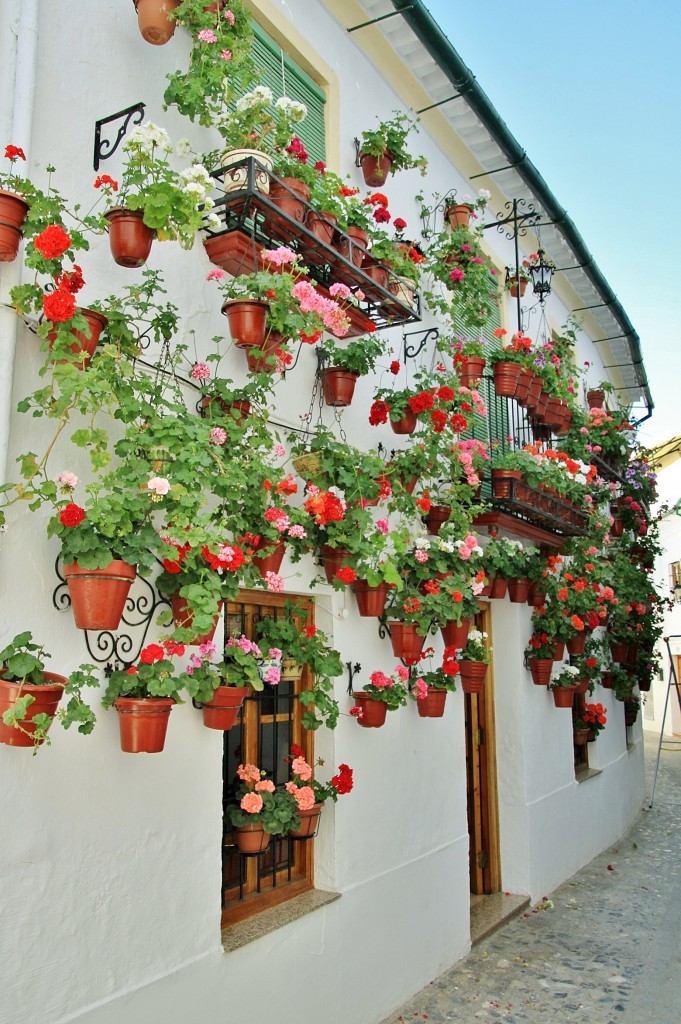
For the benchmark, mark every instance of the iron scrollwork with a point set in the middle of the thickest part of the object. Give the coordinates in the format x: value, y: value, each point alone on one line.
x: 105, y: 148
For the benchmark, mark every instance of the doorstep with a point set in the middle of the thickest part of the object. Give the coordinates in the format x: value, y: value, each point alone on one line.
x: 489, y: 912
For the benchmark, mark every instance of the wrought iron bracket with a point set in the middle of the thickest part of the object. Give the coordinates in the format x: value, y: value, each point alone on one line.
x: 383, y: 628
x: 412, y: 351
x: 105, y: 148
x: 353, y: 670
x: 116, y: 649
x: 357, y: 144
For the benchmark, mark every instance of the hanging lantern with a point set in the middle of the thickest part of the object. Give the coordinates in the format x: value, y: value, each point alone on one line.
x: 541, y: 271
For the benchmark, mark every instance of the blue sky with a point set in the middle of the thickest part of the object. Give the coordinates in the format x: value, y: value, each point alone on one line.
x: 591, y: 89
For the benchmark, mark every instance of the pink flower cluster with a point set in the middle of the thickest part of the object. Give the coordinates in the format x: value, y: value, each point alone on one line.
x: 248, y: 647
x: 467, y: 546
x: 329, y: 312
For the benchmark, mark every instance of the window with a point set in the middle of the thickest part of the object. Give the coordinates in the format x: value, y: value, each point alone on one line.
x: 286, y: 78
x: 269, y: 722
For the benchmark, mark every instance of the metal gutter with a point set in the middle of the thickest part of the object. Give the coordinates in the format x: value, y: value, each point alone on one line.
x: 429, y: 33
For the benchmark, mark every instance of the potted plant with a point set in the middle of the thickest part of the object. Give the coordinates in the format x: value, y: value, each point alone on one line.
x: 563, y: 684
x: 539, y: 657
x: 343, y: 365
x: 465, y: 284
x: 327, y: 206
x: 30, y: 695
x: 220, y: 687
x: 310, y: 794
x: 262, y: 810
x: 155, y: 20
x: 383, y: 150
x: 144, y: 695
x: 354, y: 220
x: 458, y: 212
x: 430, y: 689
x: 297, y: 177
x: 16, y: 193
x: 473, y: 661
x: 470, y: 358
x: 595, y: 716
x: 409, y: 623
x: 384, y: 693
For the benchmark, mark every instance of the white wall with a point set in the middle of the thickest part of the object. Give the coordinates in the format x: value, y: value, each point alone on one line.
x: 110, y: 864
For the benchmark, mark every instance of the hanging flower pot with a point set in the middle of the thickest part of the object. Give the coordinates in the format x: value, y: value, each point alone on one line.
x: 563, y: 696
x: 518, y: 590
x: 436, y: 516
x: 98, y: 596
x: 581, y: 687
x: 607, y: 680
x: 580, y: 737
x: 154, y: 24
x: 84, y: 346
x: 518, y: 287
x: 252, y: 839
x: 353, y: 247
x: 575, y: 645
x: 370, y: 600
x: 291, y: 670
x: 433, y: 704
x: 458, y: 215
x: 129, y: 237
x: 46, y: 697
x: 183, y: 618
x: 377, y: 271
x: 630, y: 717
x: 522, y: 388
x: 322, y: 225
x: 455, y: 634
x: 332, y: 560
x: 501, y: 488
x: 375, y: 168
x: 617, y: 527
x: 595, y: 398
x: 247, y: 319
x: 473, y: 675
x: 469, y: 370
x: 143, y: 723
x: 13, y: 210
x: 237, y: 164
x: 338, y: 386
x: 267, y: 361
x: 498, y: 588
x: 536, y: 595
x: 407, y: 644
x: 221, y: 711
x: 540, y: 669
x: 405, y: 424
x: 290, y: 196
x: 270, y: 562
x: 558, y: 650
x: 506, y: 378
x: 309, y: 823
x: 373, y: 711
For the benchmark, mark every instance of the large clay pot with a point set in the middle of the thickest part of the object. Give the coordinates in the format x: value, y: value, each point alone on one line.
x: 267, y: 361
x: 540, y: 669
x: 407, y: 644
x: 154, y: 24
x: 338, y: 386
x: 370, y: 600
x: 183, y: 617
x: 405, y: 424
x: 84, y: 346
x: 290, y: 196
x: 236, y: 164
x: 143, y: 723
x: 501, y: 488
x: 309, y: 822
x: 575, y: 645
x: 270, y: 562
x: 322, y: 225
x: 129, y: 237
x: 221, y: 711
x: 473, y: 675
x: 506, y: 378
x: 375, y: 168
x: 470, y: 370
x: 455, y: 634
x: 46, y: 699
x: 436, y: 516
x: 13, y: 210
x: 518, y: 590
x: 563, y: 696
x: 433, y: 704
x: 459, y: 215
x: 332, y: 560
x: 247, y: 319
x: 354, y: 247
x: 98, y: 596
x: 373, y: 711
x: 252, y: 839
x: 498, y: 588
x: 580, y: 737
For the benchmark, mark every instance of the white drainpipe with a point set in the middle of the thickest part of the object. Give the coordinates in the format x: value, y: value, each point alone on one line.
x: 19, y: 47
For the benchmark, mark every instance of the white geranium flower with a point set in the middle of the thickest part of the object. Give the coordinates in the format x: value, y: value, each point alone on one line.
x: 262, y: 94
x: 183, y: 148
x: 213, y: 222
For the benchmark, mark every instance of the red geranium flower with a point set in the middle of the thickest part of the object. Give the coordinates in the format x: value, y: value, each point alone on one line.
x: 70, y: 281
x: 395, y: 367
x: 346, y: 574
x: 378, y: 413
x: 59, y: 306
x: 342, y: 782
x: 14, y: 153
x: 71, y: 515
x: 52, y: 242
x: 152, y: 653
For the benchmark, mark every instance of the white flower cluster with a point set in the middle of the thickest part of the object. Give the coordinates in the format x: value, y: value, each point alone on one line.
x: 146, y: 138
x: 563, y: 670
x: 260, y: 97
x: 291, y: 109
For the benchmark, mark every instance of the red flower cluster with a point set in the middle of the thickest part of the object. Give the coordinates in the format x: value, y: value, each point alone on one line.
x: 450, y: 665
x: 325, y: 507
x: 70, y: 281
x: 59, y: 306
x: 342, y: 782
x: 173, y: 565
x: 594, y: 714
x: 230, y: 557
x: 421, y: 402
x: 395, y: 367
x: 346, y: 574
x: 439, y: 420
x: 173, y: 649
x: 297, y: 150
x: 105, y: 179
x: 14, y: 153
x: 378, y: 413
x: 458, y: 422
x: 71, y: 515
x: 152, y: 653
x: 52, y: 242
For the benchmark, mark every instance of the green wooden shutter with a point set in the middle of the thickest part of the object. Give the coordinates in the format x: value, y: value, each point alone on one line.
x: 495, y: 425
x: 285, y: 78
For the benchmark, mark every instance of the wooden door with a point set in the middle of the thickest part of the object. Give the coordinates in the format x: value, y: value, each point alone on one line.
x: 483, y: 827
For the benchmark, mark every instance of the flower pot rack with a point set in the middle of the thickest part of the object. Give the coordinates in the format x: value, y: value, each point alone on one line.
x: 117, y: 649
x: 104, y: 148
x: 252, y: 221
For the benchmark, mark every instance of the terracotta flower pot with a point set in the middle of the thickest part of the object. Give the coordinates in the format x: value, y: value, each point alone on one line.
x: 370, y: 600
x: 183, y: 617
x: 580, y: 737
x: 376, y: 270
x: 506, y: 378
x: 221, y: 711
x: 143, y: 723
x: 498, y: 588
x: 459, y: 215
x: 267, y: 361
x: 518, y: 286
x: 354, y: 247
x: 536, y: 595
x: 407, y: 644
x: 518, y: 590
x: 129, y: 237
x: 455, y: 634
x: 522, y: 390
x: 540, y: 669
x: 563, y: 696
x: 630, y: 718
x: 607, y: 680
x: 575, y: 645
x: 290, y: 196
x: 332, y: 560
x: 473, y: 675
x: 436, y: 516
x: 247, y: 319
x: 432, y: 705
x: 595, y: 399
x: 501, y: 488
x: 375, y: 168
x: 338, y: 386
x: 46, y: 700
x: 252, y: 839
x: 322, y: 225
x: 373, y: 711
x: 84, y: 345
x: 154, y: 24
x: 270, y: 562
x: 309, y: 822
x: 13, y: 212
x: 558, y: 650
x: 405, y: 424
x: 470, y: 370
x: 582, y: 686
x: 98, y: 596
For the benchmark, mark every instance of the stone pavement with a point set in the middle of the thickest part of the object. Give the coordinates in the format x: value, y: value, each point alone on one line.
x: 607, y: 952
